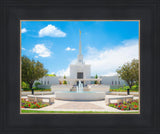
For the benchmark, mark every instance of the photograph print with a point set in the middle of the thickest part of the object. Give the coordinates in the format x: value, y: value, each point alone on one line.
x: 80, y: 66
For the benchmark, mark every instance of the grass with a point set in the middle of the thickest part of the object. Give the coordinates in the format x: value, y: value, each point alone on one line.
x: 122, y: 90
x: 90, y: 112
x: 35, y: 89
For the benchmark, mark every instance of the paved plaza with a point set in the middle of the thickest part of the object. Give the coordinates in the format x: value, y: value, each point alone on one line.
x: 61, y: 105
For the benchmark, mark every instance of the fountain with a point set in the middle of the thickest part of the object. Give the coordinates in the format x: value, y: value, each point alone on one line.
x: 79, y: 87
x: 79, y: 94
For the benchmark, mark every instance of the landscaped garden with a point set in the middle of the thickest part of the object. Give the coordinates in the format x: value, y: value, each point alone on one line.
x: 25, y: 87
x: 32, y: 105
x: 124, y: 89
x: 130, y: 105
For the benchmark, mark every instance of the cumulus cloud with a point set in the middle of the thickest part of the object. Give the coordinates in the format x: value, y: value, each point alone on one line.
x: 105, y: 62
x: 51, y: 31
x: 23, y: 30
x: 63, y: 72
x: 23, y: 48
x: 41, y: 50
x: 70, y: 49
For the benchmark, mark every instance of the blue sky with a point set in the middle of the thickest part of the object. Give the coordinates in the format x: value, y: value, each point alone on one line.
x: 55, y: 44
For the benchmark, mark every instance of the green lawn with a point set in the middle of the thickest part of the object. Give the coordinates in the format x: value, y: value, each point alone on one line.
x: 122, y: 90
x: 35, y: 111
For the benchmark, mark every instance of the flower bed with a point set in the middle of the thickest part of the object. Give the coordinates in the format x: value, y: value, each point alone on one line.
x: 130, y: 105
x: 32, y: 105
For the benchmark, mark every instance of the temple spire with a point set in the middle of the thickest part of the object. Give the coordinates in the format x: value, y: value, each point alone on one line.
x: 80, y: 56
x: 79, y: 42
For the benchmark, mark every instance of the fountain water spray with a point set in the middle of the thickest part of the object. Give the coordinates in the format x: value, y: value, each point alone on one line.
x: 80, y: 87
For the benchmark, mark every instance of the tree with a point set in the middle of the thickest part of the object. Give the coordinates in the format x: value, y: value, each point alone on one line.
x: 129, y: 72
x: 96, y: 77
x: 64, y: 82
x: 51, y: 75
x: 37, y: 84
x: 24, y: 85
x: 32, y: 70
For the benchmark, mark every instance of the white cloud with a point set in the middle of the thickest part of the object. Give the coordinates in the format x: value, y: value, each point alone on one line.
x: 70, y: 49
x: 23, y: 49
x: 23, y: 30
x: 41, y: 50
x: 51, y: 31
x: 36, y: 56
x: 105, y: 62
x: 63, y: 72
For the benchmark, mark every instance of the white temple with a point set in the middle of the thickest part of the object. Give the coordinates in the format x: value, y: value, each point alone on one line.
x: 80, y: 70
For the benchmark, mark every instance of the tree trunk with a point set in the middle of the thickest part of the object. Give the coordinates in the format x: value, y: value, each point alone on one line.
x: 30, y: 85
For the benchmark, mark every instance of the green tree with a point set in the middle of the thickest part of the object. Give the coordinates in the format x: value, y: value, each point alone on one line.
x: 36, y: 84
x: 32, y: 70
x: 24, y: 85
x: 96, y: 77
x: 129, y: 72
x: 51, y: 75
x: 64, y: 82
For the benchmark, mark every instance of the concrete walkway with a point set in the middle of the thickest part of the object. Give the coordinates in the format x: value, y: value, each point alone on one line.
x: 79, y: 106
x: 60, y: 105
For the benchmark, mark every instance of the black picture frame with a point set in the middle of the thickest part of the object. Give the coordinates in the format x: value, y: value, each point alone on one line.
x: 12, y: 11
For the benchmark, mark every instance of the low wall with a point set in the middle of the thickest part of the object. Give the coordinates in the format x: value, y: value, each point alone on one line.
x: 36, y: 93
x: 80, y: 96
x: 123, y: 93
x: 55, y: 88
x: 99, y: 88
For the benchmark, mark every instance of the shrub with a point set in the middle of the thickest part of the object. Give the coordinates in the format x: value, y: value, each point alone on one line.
x: 64, y: 82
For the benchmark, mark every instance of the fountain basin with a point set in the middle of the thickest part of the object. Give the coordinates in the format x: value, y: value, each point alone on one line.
x: 82, y: 96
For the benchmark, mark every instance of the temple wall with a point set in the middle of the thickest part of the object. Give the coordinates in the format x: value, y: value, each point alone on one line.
x: 80, y: 68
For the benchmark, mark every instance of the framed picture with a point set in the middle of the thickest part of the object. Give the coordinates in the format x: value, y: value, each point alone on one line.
x: 79, y: 67
x: 105, y: 79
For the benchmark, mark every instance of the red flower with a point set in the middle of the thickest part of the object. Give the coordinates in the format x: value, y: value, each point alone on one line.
x: 125, y: 106
x: 119, y: 106
x: 29, y: 105
x: 135, y: 106
x: 122, y: 109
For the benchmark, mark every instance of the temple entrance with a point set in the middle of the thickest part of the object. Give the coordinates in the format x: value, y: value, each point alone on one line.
x: 79, y: 75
